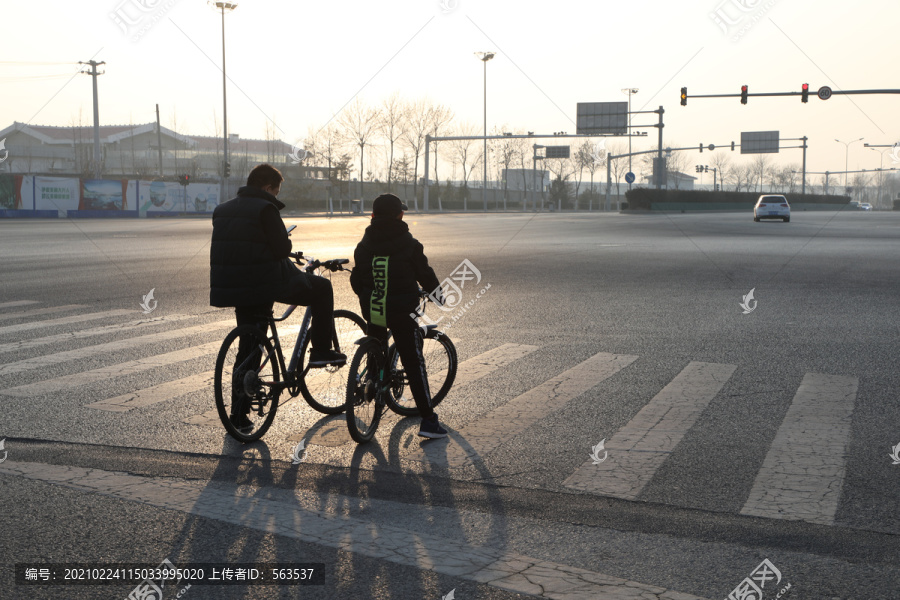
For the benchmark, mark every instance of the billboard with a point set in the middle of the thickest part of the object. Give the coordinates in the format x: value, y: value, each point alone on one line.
x: 759, y: 142
x: 168, y: 196
x: 602, y: 117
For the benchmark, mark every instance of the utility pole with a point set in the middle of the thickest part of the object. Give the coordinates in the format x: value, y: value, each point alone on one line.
x: 159, y: 141
x: 93, y: 73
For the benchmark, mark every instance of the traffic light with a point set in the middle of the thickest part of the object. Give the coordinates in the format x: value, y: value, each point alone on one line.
x: 804, y: 95
x: 732, y: 146
x: 227, y: 169
x: 743, y: 94
x: 684, y: 96
x: 185, y: 180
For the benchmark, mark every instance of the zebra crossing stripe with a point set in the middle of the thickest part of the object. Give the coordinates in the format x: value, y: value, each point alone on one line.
x: 804, y: 470
x: 40, y: 311
x: 38, y: 362
x: 157, y: 393
x: 83, y: 333
x: 17, y: 303
x: 486, y: 363
x: 501, y: 424
x: 58, y: 384
x: 637, y: 450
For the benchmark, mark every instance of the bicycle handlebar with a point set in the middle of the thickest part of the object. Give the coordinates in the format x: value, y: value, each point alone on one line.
x: 333, y: 265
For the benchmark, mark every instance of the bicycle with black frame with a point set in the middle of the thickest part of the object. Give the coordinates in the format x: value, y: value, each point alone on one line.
x: 251, y: 372
x: 377, y: 379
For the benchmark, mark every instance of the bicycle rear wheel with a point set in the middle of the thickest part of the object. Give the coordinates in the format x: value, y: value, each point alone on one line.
x: 325, y: 389
x: 440, y: 367
x: 363, y: 408
x: 247, y: 383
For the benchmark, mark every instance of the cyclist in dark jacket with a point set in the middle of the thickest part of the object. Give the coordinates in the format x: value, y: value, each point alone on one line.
x: 250, y: 268
x: 390, y: 265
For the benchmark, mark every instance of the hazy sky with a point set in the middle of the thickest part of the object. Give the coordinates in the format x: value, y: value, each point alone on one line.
x: 299, y: 62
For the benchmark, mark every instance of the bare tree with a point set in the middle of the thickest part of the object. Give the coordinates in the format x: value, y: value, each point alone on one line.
x: 759, y: 167
x: 359, y: 124
x: 440, y: 116
x: 721, y: 162
x: 391, y: 124
x: 418, y: 124
x: 466, y: 152
x: 505, y: 154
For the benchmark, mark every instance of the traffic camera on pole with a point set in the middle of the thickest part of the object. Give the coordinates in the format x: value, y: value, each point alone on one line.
x: 804, y: 94
x: 684, y: 96
x: 744, y: 94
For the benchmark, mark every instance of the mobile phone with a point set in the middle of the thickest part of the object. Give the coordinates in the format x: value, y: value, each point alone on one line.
x: 290, y: 229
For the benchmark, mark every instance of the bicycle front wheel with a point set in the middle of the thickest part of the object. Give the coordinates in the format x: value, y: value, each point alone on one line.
x: 440, y: 368
x: 325, y: 389
x: 247, y: 383
x: 363, y: 408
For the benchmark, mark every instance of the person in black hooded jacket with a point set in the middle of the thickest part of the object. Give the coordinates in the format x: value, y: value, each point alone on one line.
x: 390, y: 265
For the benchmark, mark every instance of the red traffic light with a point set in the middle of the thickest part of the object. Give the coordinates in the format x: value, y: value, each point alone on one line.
x: 744, y: 90
x: 804, y: 94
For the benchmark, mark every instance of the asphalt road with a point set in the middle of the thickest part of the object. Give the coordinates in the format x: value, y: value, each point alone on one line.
x: 762, y: 435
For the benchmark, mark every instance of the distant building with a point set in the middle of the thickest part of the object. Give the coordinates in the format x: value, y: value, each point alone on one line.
x: 675, y: 180
x: 525, y: 179
x: 133, y: 150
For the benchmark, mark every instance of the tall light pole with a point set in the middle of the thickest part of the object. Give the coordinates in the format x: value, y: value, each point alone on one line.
x: 223, y: 6
x: 484, y: 57
x: 630, y: 92
x: 880, y: 171
x: 846, y: 158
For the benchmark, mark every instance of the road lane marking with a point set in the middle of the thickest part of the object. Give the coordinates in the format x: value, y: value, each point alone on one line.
x: 487, y: 433
x: 156, y: 393
x: 324, y: 519
x: 638, y: 449
x: 83, y: 333
x: 58, y: 384
x: 38, y: 362
x: 803, y: 472
x: 15, y: 303
x: 486, y: 363
x: 40, y: 311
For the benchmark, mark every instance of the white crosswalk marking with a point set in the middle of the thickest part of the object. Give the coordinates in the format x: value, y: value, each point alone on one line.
x: 488, y: 432
x: 127, y: 368
x: 40, y: 311
x: 803, y: 472
x: 156, y: 393
x: 486, y: 363
x: 83, y: 333
x: 17, y: 303
x: 637, y: 450
x: 127, y: 344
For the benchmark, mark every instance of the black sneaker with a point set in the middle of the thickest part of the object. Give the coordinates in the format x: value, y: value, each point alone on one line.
x: 242, y: 423
x: 323, y: 358
x: 432, y: 429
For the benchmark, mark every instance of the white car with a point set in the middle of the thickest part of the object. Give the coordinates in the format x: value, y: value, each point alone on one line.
x: 865, y: 206
x: 772, y: 207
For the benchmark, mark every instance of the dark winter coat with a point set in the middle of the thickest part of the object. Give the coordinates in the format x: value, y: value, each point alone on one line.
x: 390, y: 265
x: 248, y: 256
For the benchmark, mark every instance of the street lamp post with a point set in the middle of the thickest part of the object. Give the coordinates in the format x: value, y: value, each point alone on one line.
x: 846, y: 158
x: 223, y: 6
x: 880, y: 172
x: 630, y: 92
x: 484, y: 57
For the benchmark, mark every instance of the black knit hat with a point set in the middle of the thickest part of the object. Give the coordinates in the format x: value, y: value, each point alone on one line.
x: 387, y: 205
